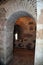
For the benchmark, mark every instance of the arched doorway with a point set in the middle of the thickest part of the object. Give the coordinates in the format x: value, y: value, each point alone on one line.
x: 24, y: 39
x: 25, y: 33
x: 22, y: 28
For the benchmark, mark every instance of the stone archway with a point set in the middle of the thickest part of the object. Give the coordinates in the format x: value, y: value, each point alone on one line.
x: 9, y: 33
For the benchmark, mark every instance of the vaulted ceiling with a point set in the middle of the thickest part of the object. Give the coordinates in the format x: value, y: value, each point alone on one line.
x: 28, y: 24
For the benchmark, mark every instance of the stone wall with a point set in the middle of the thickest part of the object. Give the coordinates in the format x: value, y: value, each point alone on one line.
x: 11, y: 7
x: 2, y: 34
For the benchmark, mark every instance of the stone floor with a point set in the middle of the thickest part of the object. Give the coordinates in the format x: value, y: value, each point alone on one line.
x: 23, y: 57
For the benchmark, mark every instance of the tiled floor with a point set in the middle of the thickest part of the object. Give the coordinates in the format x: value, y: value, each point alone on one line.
x: 23, y: 57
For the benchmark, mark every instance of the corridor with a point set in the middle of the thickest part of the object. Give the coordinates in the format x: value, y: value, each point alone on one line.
x: 23, y: 57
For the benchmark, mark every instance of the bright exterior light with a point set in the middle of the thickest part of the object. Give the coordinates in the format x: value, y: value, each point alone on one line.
x: 16, y: 36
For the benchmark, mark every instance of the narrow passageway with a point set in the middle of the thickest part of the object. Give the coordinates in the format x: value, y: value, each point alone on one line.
x: 24, y: 36
x: 23, y: 57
